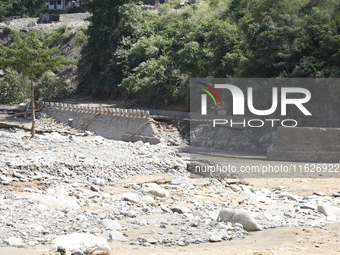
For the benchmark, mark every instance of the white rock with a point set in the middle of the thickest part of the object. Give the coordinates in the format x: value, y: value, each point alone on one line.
x: 329, y: 210
x: 36, y: 227
x: 117, y: 236
x: 244, y: 217
x: 87, y: 243
x: 213, y: 215
x: 15, y: 241
x: 180, y: 163
x: 131, y: 197
x: 69, y: 202
x: 215, y: 238
x: 132, y: 214
x: 235, y: 187
x: 41, y: 207
x: 149, y: 200
x: 158, y: 192
x: 246, y: 190
x: 110, y: 224
x: 49, y: 201
x: 319, y: 193
x: 289, y: 196
x: 143, y: 222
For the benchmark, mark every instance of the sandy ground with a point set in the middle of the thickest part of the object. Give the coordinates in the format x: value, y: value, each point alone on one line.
x: 290, y: 240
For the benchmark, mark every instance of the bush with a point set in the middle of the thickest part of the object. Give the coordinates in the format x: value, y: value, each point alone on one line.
x: 163, y: 9
x: 214, y: 3
x: 62, y: 28
x: 49, y: 87
x: 175, y: 3
x: 80, y: 39
x: 14, y: 88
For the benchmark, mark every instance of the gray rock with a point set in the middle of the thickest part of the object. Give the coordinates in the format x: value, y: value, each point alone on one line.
x: 117, y: 236
x: 152, y: 240
x: 135, y: 186
x: 110, y: 224
x: 180, y: 209
x: 244, y: 217
x: 336, y: 194
x: 78, y: 253
x: 289, y: 196
x: 176, y: 182
x: 31, y: 24
x: 98, y: 181
x: 235, y: 187
x: 131, y: 197
x: 319, y: 193
x: 95, y: 188
x: 237, y: 224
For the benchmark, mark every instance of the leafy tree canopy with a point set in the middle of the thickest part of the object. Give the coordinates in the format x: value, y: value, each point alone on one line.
x: 31, y: 56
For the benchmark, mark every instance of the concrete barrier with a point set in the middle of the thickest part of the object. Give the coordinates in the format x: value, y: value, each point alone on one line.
x: 307, y: 144
x: 112, y: 123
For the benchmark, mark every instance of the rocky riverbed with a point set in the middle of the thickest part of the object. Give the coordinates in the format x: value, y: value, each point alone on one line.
x: 68, y: 182
x: 73, y: 20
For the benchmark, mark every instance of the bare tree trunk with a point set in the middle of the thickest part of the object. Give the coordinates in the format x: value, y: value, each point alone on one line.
x: 32, y: 106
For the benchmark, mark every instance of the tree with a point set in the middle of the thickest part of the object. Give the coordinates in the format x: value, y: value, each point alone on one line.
x: 31, y: 56
x: 113, y: 23
x: 28, y: 7
x: 5, y: 6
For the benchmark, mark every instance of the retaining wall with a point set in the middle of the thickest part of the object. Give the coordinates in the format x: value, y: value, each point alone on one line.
x: 113, y: 123
x: 307, y: 144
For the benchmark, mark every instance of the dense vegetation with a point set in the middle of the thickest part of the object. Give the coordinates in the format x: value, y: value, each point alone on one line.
x: 130, y: 53
x: 138, y: 54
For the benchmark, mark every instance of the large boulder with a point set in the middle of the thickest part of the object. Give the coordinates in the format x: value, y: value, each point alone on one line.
x: 110, y: 224
x: 15, y: 242
x: 154, y: 189
x: 148, y: 200
x: 87, y: 243
x: 329, y: 210
x: 128, y: 196
x: 49, y: 201
x: 241, y: 216
x: 69, y: 202
x: 114, y: 235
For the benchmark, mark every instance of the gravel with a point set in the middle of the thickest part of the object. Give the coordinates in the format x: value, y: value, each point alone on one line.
x: 74, y: 20
x: 54, y: 185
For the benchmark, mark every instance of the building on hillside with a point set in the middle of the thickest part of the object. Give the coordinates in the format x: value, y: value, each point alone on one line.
x: 55, y: 4
x: 72, y: 4
x: 61, y: 4
x: 155, y: 2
